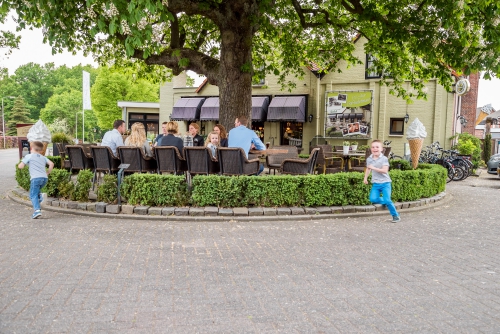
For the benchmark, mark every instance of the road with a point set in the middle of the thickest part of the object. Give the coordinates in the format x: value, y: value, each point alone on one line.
x: 438, y: 271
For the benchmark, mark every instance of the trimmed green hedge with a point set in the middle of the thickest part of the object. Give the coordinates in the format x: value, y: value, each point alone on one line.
x: 269, y: 191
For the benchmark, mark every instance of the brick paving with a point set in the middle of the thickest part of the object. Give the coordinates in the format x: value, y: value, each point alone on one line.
x: 437, y: 271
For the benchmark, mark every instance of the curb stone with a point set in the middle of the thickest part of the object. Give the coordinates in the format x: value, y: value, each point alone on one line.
x: 212, y: 213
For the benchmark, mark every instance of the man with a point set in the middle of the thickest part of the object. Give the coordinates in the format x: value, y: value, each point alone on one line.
x: 241, y: 136
x: 113, y: 138
x: 164, y: 133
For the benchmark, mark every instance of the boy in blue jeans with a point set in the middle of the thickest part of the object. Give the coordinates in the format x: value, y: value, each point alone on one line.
x: 38, y: 174
x: 378, y: 165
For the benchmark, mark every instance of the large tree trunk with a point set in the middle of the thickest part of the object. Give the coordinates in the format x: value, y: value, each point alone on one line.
x: 235, y: 70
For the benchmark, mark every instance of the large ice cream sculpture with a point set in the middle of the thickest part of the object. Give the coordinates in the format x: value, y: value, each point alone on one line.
x: 40, y: 132
x: 415, y: 135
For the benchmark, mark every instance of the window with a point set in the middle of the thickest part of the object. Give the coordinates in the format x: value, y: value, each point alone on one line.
x: 397, y: 126
x: 370, y: 71
x: 259, y: 77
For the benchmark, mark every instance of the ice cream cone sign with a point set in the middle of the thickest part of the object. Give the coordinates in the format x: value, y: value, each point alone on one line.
x: 40, y: 132
x: 415, y: 136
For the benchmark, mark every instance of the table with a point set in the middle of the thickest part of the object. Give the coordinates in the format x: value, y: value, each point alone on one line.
x: 269, y: 151
x: 346, y: 158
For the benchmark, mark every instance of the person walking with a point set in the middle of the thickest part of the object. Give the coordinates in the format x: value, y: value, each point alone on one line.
x: 38, y: 175
x: 378, y: 165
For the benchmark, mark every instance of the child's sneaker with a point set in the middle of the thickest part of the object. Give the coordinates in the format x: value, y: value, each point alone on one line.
x: 396, y: 219
x: 36, y: 214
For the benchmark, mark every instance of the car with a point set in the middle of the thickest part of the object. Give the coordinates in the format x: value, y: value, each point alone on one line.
x: 492, y: 164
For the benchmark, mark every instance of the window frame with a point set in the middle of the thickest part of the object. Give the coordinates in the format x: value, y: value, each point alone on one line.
x: 392, y: 122
x: 368, y: 64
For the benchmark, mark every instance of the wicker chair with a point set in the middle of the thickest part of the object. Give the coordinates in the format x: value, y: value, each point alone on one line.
x: 327, y: 162
x: 61, y: 147
x: 78, y: 159
x: 170, y: 160
x: 300, y: 166
x: 104, y: 160
x: 139, y: 162
x: 274, y: 161
x: 200, y: 161
x: 233, y: 161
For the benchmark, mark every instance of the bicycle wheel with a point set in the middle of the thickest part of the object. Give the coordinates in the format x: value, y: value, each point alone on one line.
x: 451, y: 172
x: 462, y: 164
x: 459, y: 174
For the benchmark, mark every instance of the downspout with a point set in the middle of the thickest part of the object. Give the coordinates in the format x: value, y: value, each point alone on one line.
x: 318, y: 102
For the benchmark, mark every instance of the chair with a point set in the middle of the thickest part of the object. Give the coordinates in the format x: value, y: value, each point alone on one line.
x: 300, y: 166
x: 360, y: 162
x: 386, y: 151
x: 200, y: 161
x: 61, y: 147
x: 327, y: 162
x: 170, y: 160
x: 273, y: 161
x: 339, y: 148
x: 233, y: 161
x: 78, y: 159
x: 137, y: 159
x: 104, y: 160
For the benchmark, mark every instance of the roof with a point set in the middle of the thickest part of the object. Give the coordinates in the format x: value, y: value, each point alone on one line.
x: 132, y: 104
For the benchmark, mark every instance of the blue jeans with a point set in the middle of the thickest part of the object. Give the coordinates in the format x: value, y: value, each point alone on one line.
x: 385, y: 190
x: 35, y: 186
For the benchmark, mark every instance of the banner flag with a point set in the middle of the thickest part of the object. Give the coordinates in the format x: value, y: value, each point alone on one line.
x: 86, y: 91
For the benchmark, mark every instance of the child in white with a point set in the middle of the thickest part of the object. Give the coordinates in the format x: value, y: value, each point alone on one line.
x: 38, y: 174
x: 378, y: 165
x: 213, y: 142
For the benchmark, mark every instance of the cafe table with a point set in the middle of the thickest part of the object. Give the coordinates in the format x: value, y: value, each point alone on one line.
x: 345, y: 157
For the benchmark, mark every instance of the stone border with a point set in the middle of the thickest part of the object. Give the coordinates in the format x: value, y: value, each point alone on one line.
x: 211, y: 213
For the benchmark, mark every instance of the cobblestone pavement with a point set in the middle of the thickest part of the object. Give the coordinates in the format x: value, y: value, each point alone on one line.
x: 435, y: 272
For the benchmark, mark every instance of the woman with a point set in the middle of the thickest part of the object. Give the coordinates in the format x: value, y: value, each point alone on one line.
x: 193, y: 131
x: 137, y: 138
x: 170, y: 139
x: 221, y: 131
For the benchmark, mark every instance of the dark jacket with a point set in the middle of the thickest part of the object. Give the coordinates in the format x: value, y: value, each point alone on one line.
x: 171, y: 140
x: 198, y: 141
x: 223, y: 142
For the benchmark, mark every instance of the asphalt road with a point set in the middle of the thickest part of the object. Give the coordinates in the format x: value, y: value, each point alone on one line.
x: 438, y: 271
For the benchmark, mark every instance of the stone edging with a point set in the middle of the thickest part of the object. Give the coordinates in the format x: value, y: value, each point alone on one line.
x: 101, y: 209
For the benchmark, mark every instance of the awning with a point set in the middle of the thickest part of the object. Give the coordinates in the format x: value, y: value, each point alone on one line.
x: 287, y: 108
x: 210, y: 109
x: 187, y: 109
x: 259, y: 108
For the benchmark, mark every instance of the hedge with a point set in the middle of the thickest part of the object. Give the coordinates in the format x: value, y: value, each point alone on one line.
x: 270, y: 191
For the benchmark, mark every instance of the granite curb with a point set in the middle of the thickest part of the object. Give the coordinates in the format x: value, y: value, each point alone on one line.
x: 210, y: 213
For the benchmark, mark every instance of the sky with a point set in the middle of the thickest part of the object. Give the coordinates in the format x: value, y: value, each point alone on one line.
x: 33, y: 50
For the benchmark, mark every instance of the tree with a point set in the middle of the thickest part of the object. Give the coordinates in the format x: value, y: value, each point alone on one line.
x: 227, y: 40
x: 8, y: 40
x: 112, y: 86
x: 18, y: 115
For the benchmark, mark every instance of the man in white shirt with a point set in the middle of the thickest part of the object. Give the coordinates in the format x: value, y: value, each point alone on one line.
x: 113, y: 138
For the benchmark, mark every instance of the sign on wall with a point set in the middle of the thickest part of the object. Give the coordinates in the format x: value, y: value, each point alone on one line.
x: 348, y: 114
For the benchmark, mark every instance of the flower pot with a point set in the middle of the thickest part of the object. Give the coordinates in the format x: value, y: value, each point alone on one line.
x: 345, y: 149
x: 354, y: 147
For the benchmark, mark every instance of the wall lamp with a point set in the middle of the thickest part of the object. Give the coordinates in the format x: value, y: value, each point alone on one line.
x: 462, y: 120
x: 310, y: 118
x: 407, y: 117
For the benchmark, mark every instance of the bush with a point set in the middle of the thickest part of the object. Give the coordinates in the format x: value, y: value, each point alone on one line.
x: 107, y: 190
x: 57, y: 177
x: 469, y: 145
x: 402, y: 164
x: 83, y: 185
x: 155, y: 190
x: 61, y: 137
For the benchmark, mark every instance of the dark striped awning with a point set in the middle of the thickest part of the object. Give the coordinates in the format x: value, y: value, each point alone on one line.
x: 187, y: 109
x: 259, y: 108
x: 210, y: 109
x: 287, y: 108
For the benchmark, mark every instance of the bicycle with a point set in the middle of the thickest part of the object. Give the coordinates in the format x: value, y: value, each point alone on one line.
x: 391, y: 156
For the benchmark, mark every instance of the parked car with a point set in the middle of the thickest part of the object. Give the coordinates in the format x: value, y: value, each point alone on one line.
x: 493, y: 163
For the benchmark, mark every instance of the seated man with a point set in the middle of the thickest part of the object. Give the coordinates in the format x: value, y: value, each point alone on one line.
x: 113, y: 138
x: 243, y: 137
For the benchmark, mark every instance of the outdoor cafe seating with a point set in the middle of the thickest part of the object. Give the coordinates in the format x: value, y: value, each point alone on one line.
x: 78, y: 158
x: 200, y: 161
x: 136, y: 159
x: 233, y: 161
x: 170, y: 160
x: 104, y: 160
x: 300, y: 166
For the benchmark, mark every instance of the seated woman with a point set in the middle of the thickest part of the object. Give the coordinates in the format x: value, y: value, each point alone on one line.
x: 213, y: 143
x: 193, y: 131
x: 170, y: 139
x: 221, y: 131
x: 137, y: 138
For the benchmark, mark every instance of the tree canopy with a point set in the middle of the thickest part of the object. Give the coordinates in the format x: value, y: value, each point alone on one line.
x: 228, y: 40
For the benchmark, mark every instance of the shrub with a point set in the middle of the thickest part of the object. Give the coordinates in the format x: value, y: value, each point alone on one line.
x: 61, y: 137
x: 83, y: 185
x: 155, y: 190
x: 469, y: 145
x: 107, y: 190
x: 57, y: 177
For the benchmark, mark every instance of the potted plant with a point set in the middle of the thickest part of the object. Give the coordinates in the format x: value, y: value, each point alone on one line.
x: 354, y: 145
x: 346, y: 145
x: 62, y: 138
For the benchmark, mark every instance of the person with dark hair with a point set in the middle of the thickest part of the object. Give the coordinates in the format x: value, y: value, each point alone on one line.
x: 164, y: 133
x: 170, y: 139
x: 243, y: 137
x: 193, y: 133
x: 114, y: 138
x: 221, y: 131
